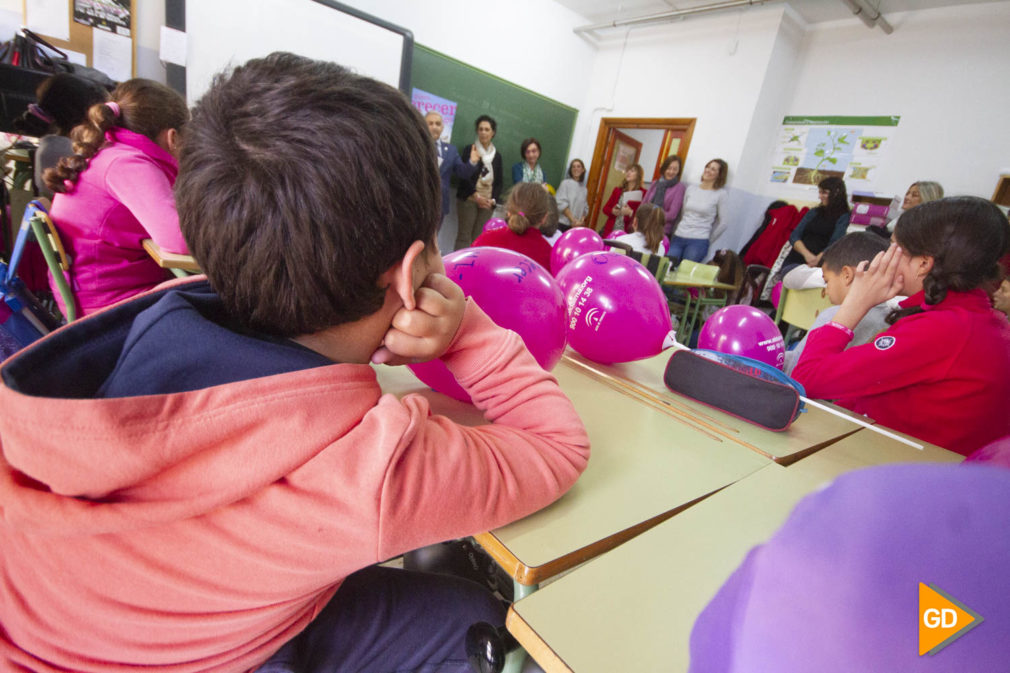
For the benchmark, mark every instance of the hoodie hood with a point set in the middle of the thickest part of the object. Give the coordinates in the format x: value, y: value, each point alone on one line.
x: 72, y: 462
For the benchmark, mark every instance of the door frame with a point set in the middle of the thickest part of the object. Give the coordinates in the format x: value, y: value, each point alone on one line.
x: 604, y: 142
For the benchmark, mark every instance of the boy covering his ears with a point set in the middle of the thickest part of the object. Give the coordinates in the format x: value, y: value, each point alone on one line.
x: 225, y: 468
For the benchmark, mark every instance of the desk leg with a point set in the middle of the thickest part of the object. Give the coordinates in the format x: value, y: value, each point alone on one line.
x: 685, y: 327
x: 516, y: 659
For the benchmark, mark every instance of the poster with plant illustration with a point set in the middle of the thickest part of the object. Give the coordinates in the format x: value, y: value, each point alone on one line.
x: 810, y: 149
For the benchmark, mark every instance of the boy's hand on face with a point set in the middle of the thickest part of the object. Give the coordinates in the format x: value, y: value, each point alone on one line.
x: 424, y: 332
x: 875, y: 282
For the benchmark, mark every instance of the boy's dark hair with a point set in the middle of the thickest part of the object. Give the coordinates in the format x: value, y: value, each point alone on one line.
x: 300, y: 183
x: 852, y: 249
x: 965, y: 235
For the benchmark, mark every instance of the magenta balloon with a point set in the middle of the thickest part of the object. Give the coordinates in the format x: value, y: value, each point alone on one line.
x: 518, y: 294
x: 744, y: 330
x: 617, y: 311
x: 494, y: 224
x: 616, y: 234
x: 776, y: 296
x: 574, y: 242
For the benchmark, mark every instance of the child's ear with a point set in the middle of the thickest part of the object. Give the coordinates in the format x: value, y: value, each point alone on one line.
x: 847, y: 273
x: 399, y: 278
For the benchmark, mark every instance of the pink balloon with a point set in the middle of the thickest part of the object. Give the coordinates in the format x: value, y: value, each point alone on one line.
x: 744, y: 330
x: 518, y: 294
x: 776, y: 295
x: 494, y: 224
x: 616, y: 234
x: 617, y: 311
x: 574, y: 242
x: 666, y: 244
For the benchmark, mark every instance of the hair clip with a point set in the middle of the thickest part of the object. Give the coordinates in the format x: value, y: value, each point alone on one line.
x: 114, y: 106
x: 40, y: 113
x: 521, y: 213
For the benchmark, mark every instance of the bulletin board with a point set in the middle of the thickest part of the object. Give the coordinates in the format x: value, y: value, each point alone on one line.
x: 82, y: 38
x: 519, y: 113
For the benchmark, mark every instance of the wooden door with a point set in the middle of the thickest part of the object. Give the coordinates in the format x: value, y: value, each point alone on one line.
x: 622, y: 153
x: 602, y: 180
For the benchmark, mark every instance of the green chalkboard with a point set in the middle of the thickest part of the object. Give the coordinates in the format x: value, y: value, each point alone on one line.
x: 520, y: 113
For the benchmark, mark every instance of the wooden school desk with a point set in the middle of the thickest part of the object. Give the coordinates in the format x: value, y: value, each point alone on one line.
x: 644, y: 467
x: 693, y: 305
x: 811, y: 431
x: 179, y: 265
x: 633, y: 608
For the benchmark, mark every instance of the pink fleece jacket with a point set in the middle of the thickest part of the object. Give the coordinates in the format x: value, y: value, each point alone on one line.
x: 199, y: 531
x: 123, y: 197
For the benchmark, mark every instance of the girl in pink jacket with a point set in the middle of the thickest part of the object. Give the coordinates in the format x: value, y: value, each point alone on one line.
x: 116, y: 190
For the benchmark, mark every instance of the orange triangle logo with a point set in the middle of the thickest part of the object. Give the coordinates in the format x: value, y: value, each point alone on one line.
x: 942, y: 619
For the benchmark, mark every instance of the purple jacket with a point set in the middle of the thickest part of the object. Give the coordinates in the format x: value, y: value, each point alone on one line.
x: 672, y: 201
x: 123, y: 197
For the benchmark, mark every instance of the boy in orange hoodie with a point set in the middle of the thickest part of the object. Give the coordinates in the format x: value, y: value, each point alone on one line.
x: 224, y: 471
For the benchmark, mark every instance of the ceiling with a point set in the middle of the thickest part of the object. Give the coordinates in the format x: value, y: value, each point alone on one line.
x: 812, y: 11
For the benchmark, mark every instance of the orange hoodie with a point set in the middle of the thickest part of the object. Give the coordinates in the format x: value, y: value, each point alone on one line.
x: 199, y: 531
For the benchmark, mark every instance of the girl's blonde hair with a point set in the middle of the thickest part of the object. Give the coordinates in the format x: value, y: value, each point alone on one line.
x: 527, y: 206
x: 650, y: 221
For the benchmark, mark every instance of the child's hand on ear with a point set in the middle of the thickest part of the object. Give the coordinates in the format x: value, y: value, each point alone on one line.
x: 425, y: 331
x: 875, y: 282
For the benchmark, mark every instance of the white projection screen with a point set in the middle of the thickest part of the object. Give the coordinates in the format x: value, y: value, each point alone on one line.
x: 225, y: 33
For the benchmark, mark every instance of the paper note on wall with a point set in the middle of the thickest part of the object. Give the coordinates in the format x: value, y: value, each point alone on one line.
x: 173, y: 46
x: 48, y: 17
x: 112, y: 54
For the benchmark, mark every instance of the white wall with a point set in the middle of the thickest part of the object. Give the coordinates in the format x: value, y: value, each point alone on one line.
x: 945, y: 71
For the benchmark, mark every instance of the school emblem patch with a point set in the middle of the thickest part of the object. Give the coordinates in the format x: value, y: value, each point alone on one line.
x: 884, y: 342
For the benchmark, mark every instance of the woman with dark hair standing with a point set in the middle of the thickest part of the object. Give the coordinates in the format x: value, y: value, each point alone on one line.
x: 529, y: 170
x: 702, y: 220
x: 668, y: 191
x: 820, y: 227
x: 116, y: 190
x: 571, y: 197
x: 941, y: 372
x: 479, y: 195
x: 63, y: 102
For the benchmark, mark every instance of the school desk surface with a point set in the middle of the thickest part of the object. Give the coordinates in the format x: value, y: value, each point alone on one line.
x: 645, y: 467
x: 811, y: 431
x: 633, y: 608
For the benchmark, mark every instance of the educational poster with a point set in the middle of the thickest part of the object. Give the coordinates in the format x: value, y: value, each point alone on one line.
x: 810, y: 149
x: 111, y: 15
x: 425, y: 101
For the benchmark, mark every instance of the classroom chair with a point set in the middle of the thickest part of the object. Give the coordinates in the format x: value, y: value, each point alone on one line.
x: 800, y: 308
x: 37, y: 224
x: 657, y: 265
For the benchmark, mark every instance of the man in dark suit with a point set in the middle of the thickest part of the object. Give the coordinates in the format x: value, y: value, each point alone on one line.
x: 449, y: 161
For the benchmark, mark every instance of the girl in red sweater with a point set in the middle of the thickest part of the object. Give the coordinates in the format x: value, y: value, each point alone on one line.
x: 527, y: 208
x: 941, y: 372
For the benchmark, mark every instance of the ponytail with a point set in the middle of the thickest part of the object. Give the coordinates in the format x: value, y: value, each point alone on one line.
x: 651, y: 220
x: 139, y: 105
x: 527, y: 206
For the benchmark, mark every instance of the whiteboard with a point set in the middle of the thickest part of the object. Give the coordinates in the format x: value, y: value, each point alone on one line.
x: 226, y: 33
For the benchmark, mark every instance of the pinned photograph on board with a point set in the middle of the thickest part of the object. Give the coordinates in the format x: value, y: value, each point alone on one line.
x: 111, y: 15
x: 780, y: 176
